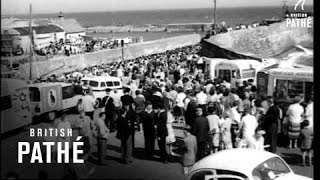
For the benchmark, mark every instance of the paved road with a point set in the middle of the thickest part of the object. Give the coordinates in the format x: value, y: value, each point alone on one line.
x: 139, y: 169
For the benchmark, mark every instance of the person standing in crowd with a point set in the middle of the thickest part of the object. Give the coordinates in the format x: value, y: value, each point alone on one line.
x: 294, y: 118
x: 139, y: 102
x: 225, y: 131
x: 214, y: 119
x: 258, y: 139
x: 126, y: 99
x: 89, y: 104
x: 202, y: 99
x: 306, y: 138
x: 180, y: 98
x: 248, y: 126
x: 127, y: 125
x: 64, y: 124
x: 308, y: 115
x: 85, y: 126
x: 108, y: 103
x: 162, y: 132
x: 80, y: 106
x: 102, y: 137
x: 201, y: 131
x: 235, y: 122
x: 189, y: 150
x: 117, y: 103
x: 190, y: 113
x: 270, y: 124
x: 213, y: 96
x: 156, y: 97
x: 148, y: 125
x: 170, y: 139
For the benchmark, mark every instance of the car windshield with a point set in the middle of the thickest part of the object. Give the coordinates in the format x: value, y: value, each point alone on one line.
x: 269, y: 169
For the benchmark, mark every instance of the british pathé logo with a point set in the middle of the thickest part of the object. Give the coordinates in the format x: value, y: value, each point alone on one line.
x: 302, y: 2
x: 300, y: 18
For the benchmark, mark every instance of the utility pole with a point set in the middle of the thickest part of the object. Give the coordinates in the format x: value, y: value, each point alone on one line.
x: 122, y: 50
x: 31, y: 43
x: 214, y: 13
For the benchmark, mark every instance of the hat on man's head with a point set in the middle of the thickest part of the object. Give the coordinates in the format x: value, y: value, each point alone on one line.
x: 108, y: 90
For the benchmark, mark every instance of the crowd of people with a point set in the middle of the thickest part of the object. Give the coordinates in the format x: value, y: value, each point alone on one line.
x: 168, y: 90
x: 68, y: 48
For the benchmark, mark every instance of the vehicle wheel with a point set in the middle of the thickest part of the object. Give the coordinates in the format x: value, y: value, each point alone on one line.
x: 51, y: 116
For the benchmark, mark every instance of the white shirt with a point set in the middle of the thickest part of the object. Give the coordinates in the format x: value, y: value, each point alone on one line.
x: 294, y: 113
x: 235, y: 115
x: 214, y: 121
x: 309, y: 114
x: 180, y: 99
x: 249, y: 124
x: 201, y: 98
x: 116, y: 99
x: 88, y: 103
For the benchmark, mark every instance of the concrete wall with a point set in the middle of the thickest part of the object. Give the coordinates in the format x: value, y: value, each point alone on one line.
x: 264, y: 41
x: 66, y: 64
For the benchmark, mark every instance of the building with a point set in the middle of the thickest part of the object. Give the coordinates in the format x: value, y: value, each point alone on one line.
x: 74, y: 31
x: 20, y: 36
x: 43, y: 35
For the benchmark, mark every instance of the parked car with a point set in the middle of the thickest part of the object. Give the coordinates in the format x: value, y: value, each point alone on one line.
x: 242, y: 164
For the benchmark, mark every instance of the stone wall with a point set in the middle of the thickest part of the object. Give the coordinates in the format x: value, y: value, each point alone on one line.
x: 66, y: 64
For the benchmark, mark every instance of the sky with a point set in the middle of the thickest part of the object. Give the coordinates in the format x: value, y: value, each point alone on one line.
x: 54, y: 6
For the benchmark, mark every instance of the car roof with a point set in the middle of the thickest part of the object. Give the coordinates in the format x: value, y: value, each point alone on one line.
x: 240, y: 159
x: 101, y: 78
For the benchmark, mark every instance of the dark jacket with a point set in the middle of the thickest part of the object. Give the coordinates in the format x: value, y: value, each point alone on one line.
x: 201, y: 129
x: 127, y: 125
x: 126, y: 99
x: 161, y: 122
x: 272, y: 116
x: 108, y: 106
x: 147, y: 120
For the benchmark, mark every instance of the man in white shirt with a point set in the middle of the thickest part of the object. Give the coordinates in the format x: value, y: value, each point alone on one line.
x: 88, y: 104
x: 248, y: 125
x: 201, y: 97
x: 180, y: 98
x: 102, y: 137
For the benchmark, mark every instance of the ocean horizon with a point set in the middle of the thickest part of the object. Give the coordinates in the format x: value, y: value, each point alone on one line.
x: 230, y: 15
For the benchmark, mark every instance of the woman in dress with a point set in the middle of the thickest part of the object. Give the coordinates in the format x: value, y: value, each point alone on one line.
x: 294, y: 118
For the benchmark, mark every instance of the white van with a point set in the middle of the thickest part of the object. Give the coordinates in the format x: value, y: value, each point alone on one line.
x: 99, y: 84
x: 210, y: 64
x: 238, y: 70
x: 49, y: 98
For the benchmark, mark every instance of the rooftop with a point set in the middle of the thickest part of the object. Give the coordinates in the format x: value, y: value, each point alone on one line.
x: 39, y: 29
